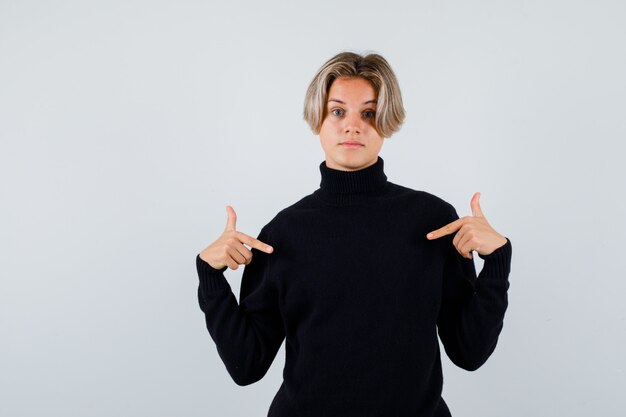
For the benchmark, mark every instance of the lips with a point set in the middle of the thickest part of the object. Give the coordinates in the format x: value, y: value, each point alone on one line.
x: 351, y: 143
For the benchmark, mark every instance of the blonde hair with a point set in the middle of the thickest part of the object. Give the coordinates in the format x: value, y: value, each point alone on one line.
x: 372, y: 67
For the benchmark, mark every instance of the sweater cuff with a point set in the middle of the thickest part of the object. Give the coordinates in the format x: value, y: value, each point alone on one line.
x: 498, y: 262
x: 211, y: 279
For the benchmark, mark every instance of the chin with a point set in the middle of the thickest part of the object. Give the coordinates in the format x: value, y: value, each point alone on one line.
x: 351, y: 165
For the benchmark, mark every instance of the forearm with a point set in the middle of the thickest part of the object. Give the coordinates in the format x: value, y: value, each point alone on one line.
x: 247, y: 341
x: 471, y: 324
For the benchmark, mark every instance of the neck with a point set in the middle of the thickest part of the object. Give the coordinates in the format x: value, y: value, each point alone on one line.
x: 340, y: 187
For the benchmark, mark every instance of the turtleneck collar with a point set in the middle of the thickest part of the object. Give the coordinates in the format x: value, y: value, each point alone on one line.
x: 349, y: 186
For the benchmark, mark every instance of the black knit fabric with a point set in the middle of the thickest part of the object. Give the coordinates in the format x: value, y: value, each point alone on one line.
x: 359, y: 294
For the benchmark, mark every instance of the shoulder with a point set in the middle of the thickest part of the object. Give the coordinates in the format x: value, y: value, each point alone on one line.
x: 422, y: 200
x: 285, y: 216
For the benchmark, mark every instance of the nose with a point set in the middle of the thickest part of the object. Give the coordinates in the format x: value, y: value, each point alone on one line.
x: 353, y: 124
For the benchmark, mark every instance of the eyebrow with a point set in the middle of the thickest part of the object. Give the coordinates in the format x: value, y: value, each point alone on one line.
x: 339, y: 101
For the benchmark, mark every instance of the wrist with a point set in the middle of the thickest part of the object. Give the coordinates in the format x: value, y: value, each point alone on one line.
x: 208, y: 266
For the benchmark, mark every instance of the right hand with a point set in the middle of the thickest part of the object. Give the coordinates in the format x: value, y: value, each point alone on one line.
x: 229, y: 250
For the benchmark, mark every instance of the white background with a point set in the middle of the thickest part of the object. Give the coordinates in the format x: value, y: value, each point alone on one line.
x: 127, y: 126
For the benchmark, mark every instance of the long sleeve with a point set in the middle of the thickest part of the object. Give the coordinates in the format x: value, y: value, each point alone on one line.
x: 472, y: 309
x: 247, y: 335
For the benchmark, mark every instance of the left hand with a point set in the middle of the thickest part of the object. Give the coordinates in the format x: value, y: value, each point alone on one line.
x: 474, y: 233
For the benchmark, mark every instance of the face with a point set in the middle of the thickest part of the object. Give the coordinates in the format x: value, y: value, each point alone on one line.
x: 347, y: 135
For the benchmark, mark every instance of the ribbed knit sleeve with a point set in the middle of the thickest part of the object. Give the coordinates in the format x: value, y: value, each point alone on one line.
x: 247, y: 335
x: 472, y: 309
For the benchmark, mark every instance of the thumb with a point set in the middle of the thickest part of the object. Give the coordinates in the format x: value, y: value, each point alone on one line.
x: 232, y: 219
x: 475, y: 205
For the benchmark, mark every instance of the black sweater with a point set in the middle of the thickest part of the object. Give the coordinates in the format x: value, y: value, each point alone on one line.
x: 359, y: 293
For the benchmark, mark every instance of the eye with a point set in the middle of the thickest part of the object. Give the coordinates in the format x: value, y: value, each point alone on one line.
x: 368, y: 114
x: 336, y: 112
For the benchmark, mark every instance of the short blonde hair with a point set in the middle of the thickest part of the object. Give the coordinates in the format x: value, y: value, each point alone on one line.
x: 372, y: 67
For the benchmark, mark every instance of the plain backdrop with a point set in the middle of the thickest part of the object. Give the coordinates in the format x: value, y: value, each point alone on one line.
x: 127, y: 126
